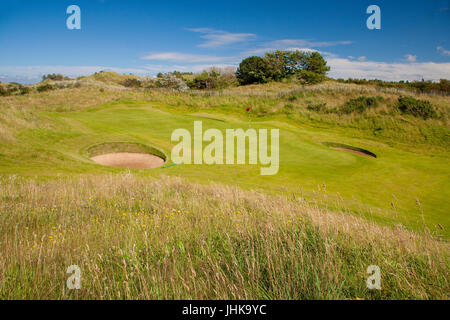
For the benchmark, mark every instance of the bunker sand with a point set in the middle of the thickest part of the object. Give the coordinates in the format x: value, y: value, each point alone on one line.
x: 129, y: 160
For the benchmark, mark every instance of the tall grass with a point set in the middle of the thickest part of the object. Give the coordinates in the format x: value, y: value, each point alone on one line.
x: 138, y: 238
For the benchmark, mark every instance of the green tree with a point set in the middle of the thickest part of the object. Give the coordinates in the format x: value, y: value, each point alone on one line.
x: 314, y: 62
x: 310, y: 67
x: 277, y: 64
x: 253, y: 70
x: 284, y: 64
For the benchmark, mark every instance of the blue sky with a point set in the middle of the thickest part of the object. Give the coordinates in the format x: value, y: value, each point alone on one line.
x: 146, y: 37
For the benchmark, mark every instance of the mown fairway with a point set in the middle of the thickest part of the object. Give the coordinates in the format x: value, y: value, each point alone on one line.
x: 398, y: 187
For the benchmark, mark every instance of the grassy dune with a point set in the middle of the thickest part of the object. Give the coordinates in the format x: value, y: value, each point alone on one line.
x: 136, y: 237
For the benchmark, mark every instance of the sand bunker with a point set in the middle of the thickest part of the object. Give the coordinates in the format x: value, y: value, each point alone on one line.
x: 354, y: 151
x: 347, y: 148
x: 129, y: 160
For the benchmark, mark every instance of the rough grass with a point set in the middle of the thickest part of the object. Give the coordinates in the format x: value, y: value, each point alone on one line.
x: 109, y: 77
x: 268, y: 100
x: 139, y: 238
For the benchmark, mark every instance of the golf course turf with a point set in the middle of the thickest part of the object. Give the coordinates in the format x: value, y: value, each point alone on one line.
x: 386, y: 189
x: 198, y: 231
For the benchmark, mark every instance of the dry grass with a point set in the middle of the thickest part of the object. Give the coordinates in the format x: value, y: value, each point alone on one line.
x: 112, y: 78
x: 70, y: 99
x: 138, y: 238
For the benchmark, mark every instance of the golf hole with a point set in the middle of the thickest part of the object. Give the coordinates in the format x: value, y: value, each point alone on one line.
x: 347, y: 148
x: 126, y: 155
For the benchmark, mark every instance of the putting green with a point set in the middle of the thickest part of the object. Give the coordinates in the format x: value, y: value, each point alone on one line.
x: 385, y: 188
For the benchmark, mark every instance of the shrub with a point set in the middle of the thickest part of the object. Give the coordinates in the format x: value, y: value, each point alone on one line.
x: 13, y: 88
x: 227, y: 80
x: 442, y: 87
x: 131, y: 83
x: 202, y: 81
x: 179, y: 74
x: 24, y: 90
x: 359, y: 105
x: 309, y: 77
x: 54, y: 77
x: 45, y: 87
x: 288, y: 108
x: 3, y: 92
x: 168, y: 80
x: 320, y: 107
x: 213, y: 79
x: 416, y: 108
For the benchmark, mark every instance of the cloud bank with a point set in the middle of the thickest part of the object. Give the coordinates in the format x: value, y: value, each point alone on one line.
x: 346, y: 68
x: 217, y: 38
x: 186, y: 57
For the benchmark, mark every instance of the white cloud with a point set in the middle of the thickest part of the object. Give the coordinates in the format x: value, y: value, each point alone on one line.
x: 362, y: 58
x: 217, y: 38
x: 295, y: 44
x: 186, y: 57
x: 410, y: 58
x: 345, y: 68
x: 306, y: 43
x: 154, y: 69
x: 262, y: 51
x: 442, y: 51
x: 257, y: 52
